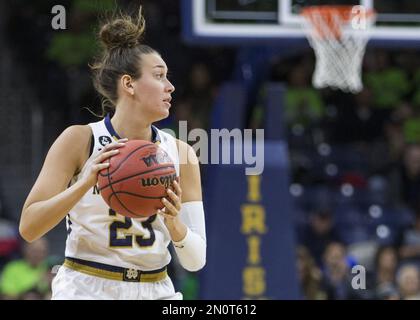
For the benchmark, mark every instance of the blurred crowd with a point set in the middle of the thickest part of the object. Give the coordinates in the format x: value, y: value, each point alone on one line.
x: 355, y: 159
x: 355, y: 180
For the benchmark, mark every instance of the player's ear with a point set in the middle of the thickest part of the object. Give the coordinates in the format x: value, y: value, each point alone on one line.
x: 127, y: 84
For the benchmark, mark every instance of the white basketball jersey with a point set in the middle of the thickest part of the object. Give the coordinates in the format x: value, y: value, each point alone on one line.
x: 96, y: 233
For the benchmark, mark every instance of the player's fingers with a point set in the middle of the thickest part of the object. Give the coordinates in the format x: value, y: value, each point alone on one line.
x: 106, y: 155
x: 171, y: 208
x: 165, y: 215
x: 116, y: 144
x: 100, y: 166
x: 178, y: 189
x: 175, y: 199
x: 123, y: 140
x: 113, y: 146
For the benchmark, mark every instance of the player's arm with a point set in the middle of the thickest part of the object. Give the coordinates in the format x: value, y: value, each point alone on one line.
x: 187, y: 229
x: 50, y: 200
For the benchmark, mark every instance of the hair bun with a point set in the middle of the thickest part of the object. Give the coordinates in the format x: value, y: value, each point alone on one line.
x: 122, y: 32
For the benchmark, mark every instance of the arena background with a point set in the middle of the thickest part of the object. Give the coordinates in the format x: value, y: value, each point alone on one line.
x: 341, y: 180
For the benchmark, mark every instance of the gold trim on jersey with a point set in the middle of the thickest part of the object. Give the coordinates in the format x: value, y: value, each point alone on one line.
x: 130, y: 275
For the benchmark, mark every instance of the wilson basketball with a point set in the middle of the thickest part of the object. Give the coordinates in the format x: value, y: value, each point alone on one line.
x: 136, y: 179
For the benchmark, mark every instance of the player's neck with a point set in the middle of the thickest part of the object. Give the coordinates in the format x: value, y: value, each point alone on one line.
x: 127, y: 126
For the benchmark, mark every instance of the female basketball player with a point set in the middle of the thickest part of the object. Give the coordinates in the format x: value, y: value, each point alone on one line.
x: 109, y: 256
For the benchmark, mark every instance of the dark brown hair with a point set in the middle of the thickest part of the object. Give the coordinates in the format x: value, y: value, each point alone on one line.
x: 122, y: 50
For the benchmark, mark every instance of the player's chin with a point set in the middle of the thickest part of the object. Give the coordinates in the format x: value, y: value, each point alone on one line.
x: 166, y: 106
x: 163, y: 113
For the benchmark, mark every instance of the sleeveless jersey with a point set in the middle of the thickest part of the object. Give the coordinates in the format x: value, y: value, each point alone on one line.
x: 97, y: 233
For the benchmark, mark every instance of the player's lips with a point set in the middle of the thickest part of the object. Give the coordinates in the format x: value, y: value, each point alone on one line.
x: 167, y: 101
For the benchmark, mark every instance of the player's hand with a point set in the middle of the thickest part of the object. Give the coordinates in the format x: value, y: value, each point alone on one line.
x: 100, y: 162
x: 172, y: 204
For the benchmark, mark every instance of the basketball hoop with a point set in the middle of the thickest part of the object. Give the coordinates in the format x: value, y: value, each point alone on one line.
x: 338, y: 35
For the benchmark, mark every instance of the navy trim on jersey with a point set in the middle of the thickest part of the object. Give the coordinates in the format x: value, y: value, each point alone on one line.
x: 111, y: 130
x: 155, y: 135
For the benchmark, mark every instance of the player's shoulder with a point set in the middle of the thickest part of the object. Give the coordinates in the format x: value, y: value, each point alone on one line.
x: 69, y: 151
x: 77, y: 135
x: 75, y: 140
x: 78, y: 132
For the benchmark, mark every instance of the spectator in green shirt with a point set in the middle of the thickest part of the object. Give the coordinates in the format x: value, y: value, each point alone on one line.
x: 388, y: 84
x: 27, y: 274
x: 303, y: 104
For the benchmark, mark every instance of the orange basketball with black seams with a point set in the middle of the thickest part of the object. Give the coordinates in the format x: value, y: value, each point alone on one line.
x: 136, y: 179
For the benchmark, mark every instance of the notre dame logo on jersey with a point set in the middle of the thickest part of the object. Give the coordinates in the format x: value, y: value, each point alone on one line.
x: 104, y: 140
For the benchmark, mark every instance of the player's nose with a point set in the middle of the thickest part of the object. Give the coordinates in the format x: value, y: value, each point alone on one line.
x: 169, y: 87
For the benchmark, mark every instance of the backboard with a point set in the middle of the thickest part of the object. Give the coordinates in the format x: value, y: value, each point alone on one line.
x: 278, y: 21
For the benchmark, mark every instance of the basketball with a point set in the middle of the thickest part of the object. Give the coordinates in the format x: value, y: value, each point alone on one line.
x: 136, y: 179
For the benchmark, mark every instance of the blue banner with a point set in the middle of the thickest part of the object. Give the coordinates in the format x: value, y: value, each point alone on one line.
x: 250, y: 233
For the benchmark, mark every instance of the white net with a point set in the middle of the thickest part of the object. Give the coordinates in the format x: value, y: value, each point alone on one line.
x: 339, y: 40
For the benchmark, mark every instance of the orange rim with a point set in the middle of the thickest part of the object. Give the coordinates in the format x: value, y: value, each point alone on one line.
x: 329, y: 20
